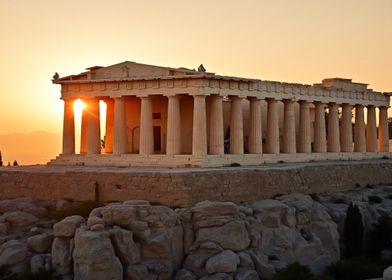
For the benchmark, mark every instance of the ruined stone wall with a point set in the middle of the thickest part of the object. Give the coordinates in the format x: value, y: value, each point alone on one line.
x: 185, y: 187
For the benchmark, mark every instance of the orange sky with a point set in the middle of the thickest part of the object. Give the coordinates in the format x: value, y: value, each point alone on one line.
x: 295, y: 41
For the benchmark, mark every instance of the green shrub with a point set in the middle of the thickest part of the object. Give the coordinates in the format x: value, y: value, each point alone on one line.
x: 380, y: 237
x: 355, y: 269
x: 373, y: 199
x: 353, y: 232
x: 82, y: 208
x: 294, y: 271
x: 235, y: 164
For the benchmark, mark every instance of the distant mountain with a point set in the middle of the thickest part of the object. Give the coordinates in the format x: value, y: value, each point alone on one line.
x: 30, y: 148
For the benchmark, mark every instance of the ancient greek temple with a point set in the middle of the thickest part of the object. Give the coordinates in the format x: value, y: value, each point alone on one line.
x: 179, y: 117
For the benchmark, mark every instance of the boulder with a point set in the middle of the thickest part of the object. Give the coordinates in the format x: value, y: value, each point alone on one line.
x: 14, y: 254
x: 40, y: 262
x: 94, y: 256
x: 40, y: 243
x: 245, y: 260
x: 19, y: 219
x: 137, y: 272
x: 124, y: 246
x: 246, y: 274
x: 387, y: 275
x: 231, y: 236
x: 196, y: 263
x: 263, y: 268
x: 62, y: 204
x: 10, y: 205
x: 118, y: 214
x: 93, y: 220
x: 225, y: 261
x: 270, y: 212
x: 218, y: 276
x: 68, y: 226
x: 184, y: 274
x: 39, y: 212
x: 62, y: 249
x: 205, y: 209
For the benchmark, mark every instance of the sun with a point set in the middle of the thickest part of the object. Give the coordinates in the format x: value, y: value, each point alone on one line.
x: 79, y: 106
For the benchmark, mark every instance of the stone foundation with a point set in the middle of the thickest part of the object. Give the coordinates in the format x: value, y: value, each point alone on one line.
x: 187, y: 186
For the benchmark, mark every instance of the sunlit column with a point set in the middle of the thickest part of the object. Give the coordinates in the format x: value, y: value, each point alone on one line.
x: 120, y: 136
x: 94, y: 130
x: 359, y: 130
x: 272, y: 127
x: 346, y: 135
x: 304, y: 128
x: 371, y: 130
x: 84, y: 129
x: 146, y: 127
x: 69, y: 128
x: 216, y: 126
x: 199, y: 133
x: 320, y: 143
x: 173, y: 146
x: 333, y: 129
x: 255, y: 131
x: 236, y: 126
x: 109, y: 134
x: 289, y: 141
x: 383, y: 133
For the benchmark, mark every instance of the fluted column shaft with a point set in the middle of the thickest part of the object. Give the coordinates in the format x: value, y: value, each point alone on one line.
x: 320, y: 137
x: 289, y: 141
x: 333, y: 129
x: 84, y: 130
x: 94, y: 129
x: 146, y: 127
x: 120, y: 134
x: 383, y: 132
x: 371, y: 130
x: 255, y: 131
x: 173, y: 146
x: 109, y: 135
x: 236, y: 126
x: 199, y: 134
x: 346, y: 136
x: 216, y: 135
x: 359, y: 130
x: 69, y: 128
x: 273, y: 127
x: 304, y: 128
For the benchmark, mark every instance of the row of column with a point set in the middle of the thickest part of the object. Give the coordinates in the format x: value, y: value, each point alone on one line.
x: 327, y: 138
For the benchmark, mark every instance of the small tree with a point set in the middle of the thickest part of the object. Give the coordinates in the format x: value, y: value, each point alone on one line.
x: 1, y: 159
x: 380, y: 237
x: 15, y: 163
x: 353, y: 232
x: 294, y: 271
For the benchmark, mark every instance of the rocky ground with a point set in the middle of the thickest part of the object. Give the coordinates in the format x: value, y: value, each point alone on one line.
x: 212, y: 240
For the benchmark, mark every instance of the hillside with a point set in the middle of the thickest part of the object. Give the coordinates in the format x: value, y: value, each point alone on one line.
x: 30, y: 148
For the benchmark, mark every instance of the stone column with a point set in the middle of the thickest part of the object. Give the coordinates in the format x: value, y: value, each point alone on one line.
x: 255, y: 131
x: 146, y: 127
x: 236, y: 126
x: 333, y: 129
x: 94, y: 129
x: 273, y: 127
x: 216, y: 126
x: 320, y: 143
x: 346, y: 135
x: 199, y: 133
x: 84, y: 129
x: 383, y: 132
x: 289, y: 141
x: 69, y: 128
x: 359, y: 130
x: 109, y: 135
x: 120, y: 133
x: 304, y: 128
x: 173, y: 146
x: 371, y: 130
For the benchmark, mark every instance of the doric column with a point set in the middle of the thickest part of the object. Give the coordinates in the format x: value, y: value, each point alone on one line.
x: 289, y: 141
x: 333, y: 129
x: 255, y: 131
x: 383, y: 132
x: 120, y: 134
x: 68, y: 128
x: 272, y: 127
x: 371, y: 130
x: 359, y: 130
x: 216, y: 126
x: 236, y: 126
x: 84, y: 129
x: 173, y: 142
x: 109, y: 135
x: 146, y: 127
x: 320, y: 143
x: 199, y: 133
x: 346, y: 132
x: 304, y: 128
x: 94, y: 129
